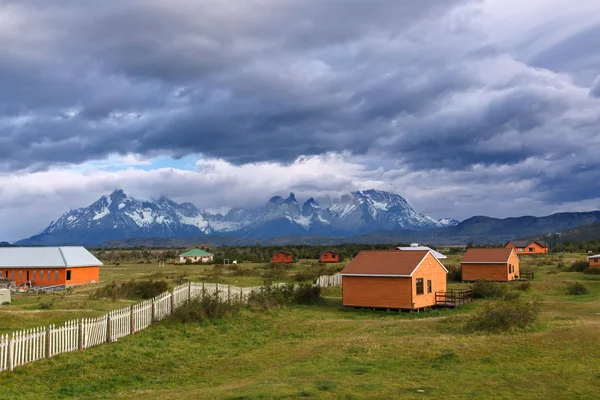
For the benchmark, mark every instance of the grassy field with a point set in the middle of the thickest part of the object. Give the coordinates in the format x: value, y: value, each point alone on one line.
x: 327, y: 352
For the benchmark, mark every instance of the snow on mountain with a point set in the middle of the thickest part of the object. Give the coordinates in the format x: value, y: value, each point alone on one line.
x: 445, y: 222
x: 118, y: 216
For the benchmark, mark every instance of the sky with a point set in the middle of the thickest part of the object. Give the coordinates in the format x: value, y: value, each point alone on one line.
x: 464, y: 107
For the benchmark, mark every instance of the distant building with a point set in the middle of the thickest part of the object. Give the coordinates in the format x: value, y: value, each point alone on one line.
x: 329, y: 257
x: 283, y: 257
x: 594, y: 261
x: 49, y: 266
x: 196, y: 255
x: 490, y: 265
x: 527, y: 246
x: 418, y: 247
x: 393, y: 279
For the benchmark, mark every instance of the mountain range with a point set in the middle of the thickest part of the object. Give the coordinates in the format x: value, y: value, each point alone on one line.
x: 118, y: 216
x: 370, y: 216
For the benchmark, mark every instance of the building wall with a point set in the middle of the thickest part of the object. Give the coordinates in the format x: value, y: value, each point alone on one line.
x: 431, y: 270
x: 514, y: 261
x: 371, y: 291
x: 329, y: 257
x: 282, y: 258
x: 594, y: 262
x: 532, y: 248
x: 183, y: 260
x: 488, y: 272
x: 52, y: 276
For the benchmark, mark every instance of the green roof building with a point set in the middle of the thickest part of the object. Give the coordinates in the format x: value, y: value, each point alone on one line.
x: 196, y: 255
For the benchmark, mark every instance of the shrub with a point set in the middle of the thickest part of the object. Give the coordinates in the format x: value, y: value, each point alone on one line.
x: 488, y: 290
x: 271, y: 296
x: 577, y: 289
x: 205, y: 307
x: 525, y: 286
x: 146, y: 289
x: 454, y: 273
x: 306, y: 275
x: 46, y: 305
x: 579, y: 266
x: 511, y: 295
x: 561, y: 265
x: 504, y: 316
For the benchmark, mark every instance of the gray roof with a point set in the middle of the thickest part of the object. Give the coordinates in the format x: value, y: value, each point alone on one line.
x: 436, y: 254
x: 15, y: 257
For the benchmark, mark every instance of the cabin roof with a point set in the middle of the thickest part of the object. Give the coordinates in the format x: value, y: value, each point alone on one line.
x: 436, y: 254
x: 487, y: 256
x: 526, y: 243
x: 196, y: 253
x: 386, y: 263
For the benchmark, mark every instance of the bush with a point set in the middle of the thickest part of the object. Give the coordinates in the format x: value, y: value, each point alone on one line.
x: 579, y: 266
x: 306, y: 275
x: 271, y: 296
x: 511, y: 295
x: 488, y: 290
x: 561, y: 265
x: 577, y: 289
x: 146, y: 289
x: 525, y: 286
x: 205, y: 307
x: 454, y: 273
x: 504, y: 316
x: 46, y: 305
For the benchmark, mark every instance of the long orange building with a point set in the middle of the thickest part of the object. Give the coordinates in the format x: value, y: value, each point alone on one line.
x: 49, y: 266
x: 490, y: 265
x: 527, y: 246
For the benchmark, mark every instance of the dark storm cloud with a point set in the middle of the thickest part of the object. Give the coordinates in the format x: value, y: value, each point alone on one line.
x: 266, y: 80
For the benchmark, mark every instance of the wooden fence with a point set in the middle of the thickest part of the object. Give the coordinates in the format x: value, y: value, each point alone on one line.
x: 25, y: 346
x: 329, y: 280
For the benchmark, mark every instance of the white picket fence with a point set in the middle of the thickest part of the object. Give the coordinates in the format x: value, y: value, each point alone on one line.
x: 329, y: 280
x: 25, y: 346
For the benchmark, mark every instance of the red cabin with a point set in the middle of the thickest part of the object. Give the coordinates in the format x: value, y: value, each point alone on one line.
x: 283, y: 257
x: 329, y: 257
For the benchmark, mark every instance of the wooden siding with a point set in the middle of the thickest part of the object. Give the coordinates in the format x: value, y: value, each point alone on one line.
x: 430, y: 269
x: 282, y: 258
x: 514, y: 261
x: 594, y: 262
x: 372, y: 291
x: 52, y: 276
x: 329, y: 257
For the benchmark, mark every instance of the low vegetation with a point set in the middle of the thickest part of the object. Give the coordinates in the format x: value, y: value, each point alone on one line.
x: 504, y: 316
x: 579, y: 266
x: 488, y: 290
x: 207, y: 307
x: 141, y: 289
x: 271, y: 296
x: 577, y: 289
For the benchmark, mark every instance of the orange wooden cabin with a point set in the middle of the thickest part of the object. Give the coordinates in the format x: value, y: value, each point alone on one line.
x: 405, y: 280
x: 49, y: 266
x: 594, y: 261
x: 527, y: 247
x: 329, y: 257
x: 283, y: 257
x: 490, y: 265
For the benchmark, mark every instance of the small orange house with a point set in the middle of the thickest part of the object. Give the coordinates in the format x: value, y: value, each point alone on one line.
x: 405, y: 280
x: 594, y: 261
x: 490, y: 265
x: 49, y: 266
x: 329, y: 257
x: 527, y: 247
x: 283, y: 257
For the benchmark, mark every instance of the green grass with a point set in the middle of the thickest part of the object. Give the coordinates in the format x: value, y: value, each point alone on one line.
x: 325, y: 351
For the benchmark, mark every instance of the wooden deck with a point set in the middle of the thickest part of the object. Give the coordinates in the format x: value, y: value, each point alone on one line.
x: 453, y: 297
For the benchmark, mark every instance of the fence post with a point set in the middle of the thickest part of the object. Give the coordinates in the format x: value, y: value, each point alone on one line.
x: 202, y: 290
x: 172, y: 302
x: 108, y: 329
x: 189, y: 290
x: 132, y: 320
x: 153, y: 319
x: 229, y: 294
x: 80, y: 335
x: 11, y: 353
x: 49, y: 341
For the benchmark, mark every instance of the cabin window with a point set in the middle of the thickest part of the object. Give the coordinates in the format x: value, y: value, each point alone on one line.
x: 428, y: 286
x: 420, y: 286
x: 69, y: 275
x: 41, y: 275
x: 595, y: 260
x: 12, y: 275
x: 56, y: 276
x: 324, y: 255
x: 20, y: 275
x: 34, y: 276
x: 27, y: 275
x: 531, y: 249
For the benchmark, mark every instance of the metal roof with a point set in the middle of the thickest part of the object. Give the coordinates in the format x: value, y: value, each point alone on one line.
x: 65, y: 256
x: 386, y: 263
x: 436, y: 254
x: 196, y: 253
x: 596, y: 256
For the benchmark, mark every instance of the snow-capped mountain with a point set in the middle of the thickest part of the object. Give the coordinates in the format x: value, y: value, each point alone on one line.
x: 445, y: 222
x: 118, y: 216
